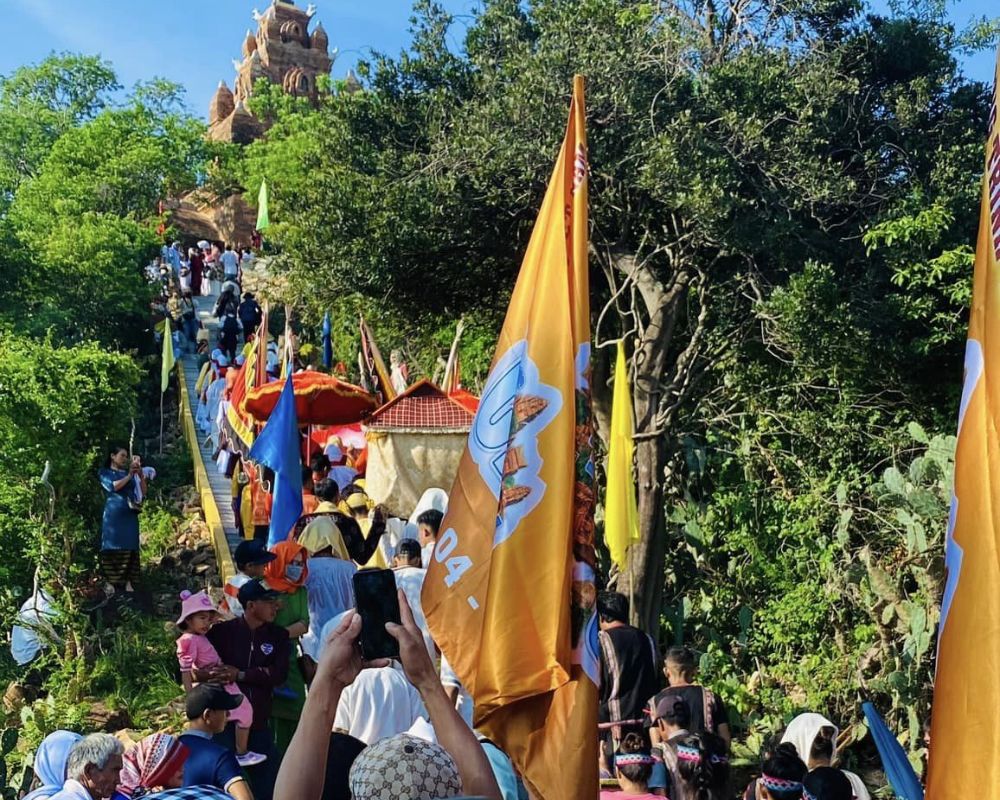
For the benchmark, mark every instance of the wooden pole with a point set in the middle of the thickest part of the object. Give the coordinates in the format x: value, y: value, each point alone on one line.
x: 633, y: 616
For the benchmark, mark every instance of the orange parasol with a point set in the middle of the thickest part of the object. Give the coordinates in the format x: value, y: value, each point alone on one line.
x: 320, y: 399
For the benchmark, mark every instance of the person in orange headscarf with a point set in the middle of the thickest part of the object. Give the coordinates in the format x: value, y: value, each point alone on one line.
x: 287, y: 574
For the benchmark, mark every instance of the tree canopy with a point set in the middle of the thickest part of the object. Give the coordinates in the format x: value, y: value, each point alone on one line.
x: 783, y: 199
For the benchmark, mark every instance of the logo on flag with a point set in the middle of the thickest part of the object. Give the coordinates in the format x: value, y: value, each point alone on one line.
x: 515, y: 408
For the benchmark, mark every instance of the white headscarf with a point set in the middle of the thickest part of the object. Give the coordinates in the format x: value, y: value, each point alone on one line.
x: 802, y: 732
x: 432, y: 499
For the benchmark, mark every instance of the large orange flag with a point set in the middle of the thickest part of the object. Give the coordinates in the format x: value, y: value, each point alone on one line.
x: 509, y: 595
x: 965, y: 732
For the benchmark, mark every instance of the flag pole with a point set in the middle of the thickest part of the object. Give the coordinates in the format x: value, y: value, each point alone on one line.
x: 161, y: 422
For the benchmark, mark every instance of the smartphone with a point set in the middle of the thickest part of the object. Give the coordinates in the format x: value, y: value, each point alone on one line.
x: 376, y: 601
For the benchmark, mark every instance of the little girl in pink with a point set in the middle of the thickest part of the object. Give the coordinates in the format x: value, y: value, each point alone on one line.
x: 195, y: 651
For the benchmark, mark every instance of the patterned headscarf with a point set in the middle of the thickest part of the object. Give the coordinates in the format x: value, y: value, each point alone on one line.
x: 405, y: 768
x: 151, y: 762
x: 274, y: 572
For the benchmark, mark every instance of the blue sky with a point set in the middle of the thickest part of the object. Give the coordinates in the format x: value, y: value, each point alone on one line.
x: 193, y: 42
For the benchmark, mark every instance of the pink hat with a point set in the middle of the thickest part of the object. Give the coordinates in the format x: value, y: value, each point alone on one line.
x: 193, y: 603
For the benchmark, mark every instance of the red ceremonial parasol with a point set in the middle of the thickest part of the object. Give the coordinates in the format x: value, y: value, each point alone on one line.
x: 464, y: 398
x: 320, y: 399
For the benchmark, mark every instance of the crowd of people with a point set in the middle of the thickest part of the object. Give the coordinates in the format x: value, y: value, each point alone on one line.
x: 675, y: 742
x: 278, y: 702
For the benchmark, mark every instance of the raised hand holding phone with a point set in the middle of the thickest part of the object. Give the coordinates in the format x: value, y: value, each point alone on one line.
x: 377, y: 603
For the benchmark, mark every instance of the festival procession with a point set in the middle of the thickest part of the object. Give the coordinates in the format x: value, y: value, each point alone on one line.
x: 678, y: 480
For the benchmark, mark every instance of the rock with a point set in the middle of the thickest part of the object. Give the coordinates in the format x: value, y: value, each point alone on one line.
x: 128, y: 737
x: 186, y: 555
x: 101, y: 718
x: 17, y: 696
x: 201, y: 557
x: 168, y: 562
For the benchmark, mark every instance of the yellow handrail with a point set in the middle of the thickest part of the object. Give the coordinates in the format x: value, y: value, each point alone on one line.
x: 223, y: 556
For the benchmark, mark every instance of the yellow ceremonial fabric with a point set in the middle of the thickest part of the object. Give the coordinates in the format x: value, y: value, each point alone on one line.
x: 509, y: 595
x: 965, y: 733
x: 168, y: 356
x: 377, y: 560
x: 200, y: 383
x: 621, y: 515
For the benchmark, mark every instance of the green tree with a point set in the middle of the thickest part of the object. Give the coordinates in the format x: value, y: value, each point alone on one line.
x: 85, y: 224
x: 39, y: 103
x: 730, y: 149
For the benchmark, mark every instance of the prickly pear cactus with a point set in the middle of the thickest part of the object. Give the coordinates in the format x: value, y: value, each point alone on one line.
x: 18, y: 784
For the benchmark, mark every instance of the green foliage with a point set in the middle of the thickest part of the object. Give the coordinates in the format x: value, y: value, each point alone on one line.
x: 783, y: 202
x: 60, y: 406
x: 88, y: 219
x: 41, y: 102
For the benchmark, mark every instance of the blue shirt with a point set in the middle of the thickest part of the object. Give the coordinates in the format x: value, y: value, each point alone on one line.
x: 208, y: 763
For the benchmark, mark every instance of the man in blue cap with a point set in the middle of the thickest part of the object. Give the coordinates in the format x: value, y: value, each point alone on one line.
x: 255, y: 654
x: 251, y: 557
x: 208, y: 763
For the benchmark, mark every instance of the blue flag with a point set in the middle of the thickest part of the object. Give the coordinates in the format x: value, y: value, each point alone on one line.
x: 898, y: 770
x: 277, y: 447
x: 327, y: 344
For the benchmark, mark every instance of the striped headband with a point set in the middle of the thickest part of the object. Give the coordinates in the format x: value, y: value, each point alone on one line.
x: 629, y: 759
x: 685, y: 753
x: 780, y: 784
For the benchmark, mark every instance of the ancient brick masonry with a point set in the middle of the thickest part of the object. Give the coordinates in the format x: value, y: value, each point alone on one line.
x: 284, y: 52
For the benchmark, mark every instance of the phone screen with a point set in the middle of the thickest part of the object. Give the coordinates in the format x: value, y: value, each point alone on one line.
x: 377, y: 603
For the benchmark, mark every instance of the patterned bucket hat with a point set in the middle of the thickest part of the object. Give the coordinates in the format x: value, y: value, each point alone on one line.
x: 404, y: 768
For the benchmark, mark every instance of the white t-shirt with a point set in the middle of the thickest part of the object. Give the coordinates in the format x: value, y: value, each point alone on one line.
x: 464, y: 701
x: 381, y: 703
x: 230, y: 263
x: 35, y: 615
x: 411, y: 581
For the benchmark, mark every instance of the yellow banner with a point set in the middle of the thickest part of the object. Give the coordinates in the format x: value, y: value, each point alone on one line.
x: 509, y: 596
x: 621, y: 514
x: 965, y: 733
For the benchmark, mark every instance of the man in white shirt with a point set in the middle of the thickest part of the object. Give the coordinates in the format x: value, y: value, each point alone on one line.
x: 92, y: 769
x: 230, y: 263
x: 381, y: 703
x: 428, y: 525
x: 410, y: 578
x: 33, y: 628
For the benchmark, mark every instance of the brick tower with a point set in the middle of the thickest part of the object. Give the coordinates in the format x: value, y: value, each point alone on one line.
x: 284, y: 52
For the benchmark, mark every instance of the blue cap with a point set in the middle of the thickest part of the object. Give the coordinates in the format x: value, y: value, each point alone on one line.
x: 251, y: 553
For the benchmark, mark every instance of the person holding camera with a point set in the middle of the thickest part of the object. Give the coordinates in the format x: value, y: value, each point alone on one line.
x: 124, y: 482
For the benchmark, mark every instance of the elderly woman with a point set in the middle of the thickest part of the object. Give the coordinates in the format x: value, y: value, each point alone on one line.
x: 287, y: 574
x: 156, y: 762
x: 50, y: 764
x: 124, y: 482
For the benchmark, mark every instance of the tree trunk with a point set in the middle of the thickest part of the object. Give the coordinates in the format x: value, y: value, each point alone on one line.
x: 647, y: 556
x: 661, y: 382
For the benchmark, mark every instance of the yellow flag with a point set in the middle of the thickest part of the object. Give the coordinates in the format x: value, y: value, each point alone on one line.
x: 168, y: 356
x: 965, y: 733
x: 510, y: 595
x: 621, y: 516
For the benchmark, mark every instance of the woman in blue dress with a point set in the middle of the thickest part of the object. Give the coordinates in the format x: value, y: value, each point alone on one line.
x: 123, y: 481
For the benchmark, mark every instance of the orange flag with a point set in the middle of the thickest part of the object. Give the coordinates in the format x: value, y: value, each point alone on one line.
x: 965, y: 732
x: 509, y: 596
